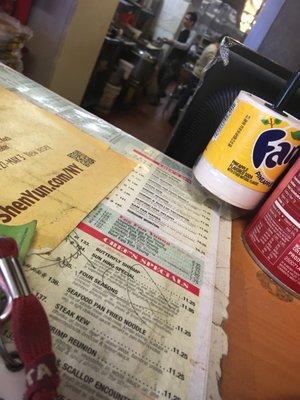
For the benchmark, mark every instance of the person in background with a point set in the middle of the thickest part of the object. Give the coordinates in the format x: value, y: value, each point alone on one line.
x: 207, y: 55
x: 177, y: 57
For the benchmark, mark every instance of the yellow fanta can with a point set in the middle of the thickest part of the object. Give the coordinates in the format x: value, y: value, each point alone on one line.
x: 249, y: 151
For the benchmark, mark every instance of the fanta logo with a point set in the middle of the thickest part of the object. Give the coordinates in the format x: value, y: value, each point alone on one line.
x: 270, y: 150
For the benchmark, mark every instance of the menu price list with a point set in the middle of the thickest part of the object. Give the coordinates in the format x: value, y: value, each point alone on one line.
x: 117, y: 326
x: 166, y: 204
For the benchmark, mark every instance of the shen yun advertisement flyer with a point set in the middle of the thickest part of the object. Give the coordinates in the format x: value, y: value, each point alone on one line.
x: 50, y: 170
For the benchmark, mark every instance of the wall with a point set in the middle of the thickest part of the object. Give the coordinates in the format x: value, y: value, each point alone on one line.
x: 68, y: 37
x: 48, y: 20
x: 275, y: 35
x: 81, y: 47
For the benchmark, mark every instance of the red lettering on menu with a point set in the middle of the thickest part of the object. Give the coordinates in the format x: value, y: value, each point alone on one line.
x: 139, y: 258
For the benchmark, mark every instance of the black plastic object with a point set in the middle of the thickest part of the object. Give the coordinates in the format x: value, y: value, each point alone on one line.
x: 246, y: 70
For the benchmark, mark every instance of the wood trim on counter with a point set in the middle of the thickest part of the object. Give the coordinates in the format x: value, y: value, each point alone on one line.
x: 263, y: 329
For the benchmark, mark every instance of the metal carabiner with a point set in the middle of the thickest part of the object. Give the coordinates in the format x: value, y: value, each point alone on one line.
x: 11, y: 359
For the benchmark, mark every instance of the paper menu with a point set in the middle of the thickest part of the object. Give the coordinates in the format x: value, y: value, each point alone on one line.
x: 117, y: 326
x: 50, y: 170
